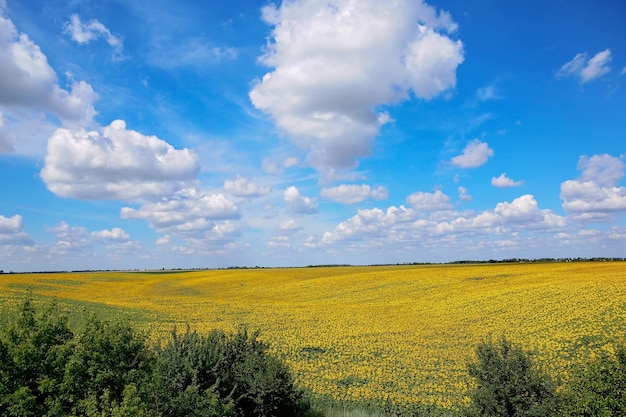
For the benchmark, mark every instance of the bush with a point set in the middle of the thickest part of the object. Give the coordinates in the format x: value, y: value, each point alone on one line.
x: 236, y: 370
x: 33, y: 352
x: 508, y: 383
x: 599, y: 387
x: 186, y: 377
x: 109, y: 370
x: 109, y: 364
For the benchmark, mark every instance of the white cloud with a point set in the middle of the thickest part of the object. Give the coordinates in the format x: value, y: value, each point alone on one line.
x: 92, y: 246
x: 430, y: 202
x: 117, y: 164
x: 84, y: 33
x: 114, y: 235
x: 289, y: 226
x: 29, y: 88
x: 487, y: 93
x: 70, y: 239
x: 504, y: 182
x: 399, y: 227
x: 336, y: 63
x: 463, y: 194
x: 370, y: 223
x: 475, y: 154
x: 26, y: 79
x: 12, y: 231
x: 354, y: 193
x: 273, y: 166
x: 197, y: 217
x: 6, y: 144
x: 190, y: 53
x: 521, y: 210
x: 164, y: 240
x: 243, y: 187
x: 596, y: 194
x: 299, y: 204
x: 587, y: 69
x: 188, y: 209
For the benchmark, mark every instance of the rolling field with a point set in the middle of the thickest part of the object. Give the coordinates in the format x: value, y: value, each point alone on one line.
x: 369, y: 334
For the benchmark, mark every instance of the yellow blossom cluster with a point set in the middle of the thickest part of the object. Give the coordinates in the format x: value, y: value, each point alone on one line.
x: 399, y: 334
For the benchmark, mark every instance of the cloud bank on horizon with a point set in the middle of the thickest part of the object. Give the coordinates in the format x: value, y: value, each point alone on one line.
x: 303, y: 132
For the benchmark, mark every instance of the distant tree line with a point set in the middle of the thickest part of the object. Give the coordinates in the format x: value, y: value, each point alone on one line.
x: 540, y: 260
x: 464, y: 261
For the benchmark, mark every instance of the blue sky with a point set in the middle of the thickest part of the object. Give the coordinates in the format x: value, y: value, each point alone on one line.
x: 138, y: 134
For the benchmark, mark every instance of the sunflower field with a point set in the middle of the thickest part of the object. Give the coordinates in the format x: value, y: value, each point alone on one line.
x: 399, y: 335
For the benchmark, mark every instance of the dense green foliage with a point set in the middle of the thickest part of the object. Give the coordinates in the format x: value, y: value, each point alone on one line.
x: 234, y: 372
x: 109, y: 370
x: 508, y: 383
x: 599, y: 388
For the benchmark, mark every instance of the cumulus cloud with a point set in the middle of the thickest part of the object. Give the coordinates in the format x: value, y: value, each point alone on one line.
x: 188, y: 209
x: 27, y: 80
x: 192, y: 215
x: 70, y: 238
x: 596, y: 194
x: 298, y: 204
x: 370, y: 223
x: 475, y: 154
x: 114, y: 235
x: 30, y: 91
x: 405, y: 226
x: 12, y: 231
x: 336, y: 63
x: 115, y: 164
x: 164, y: 240
x: 244, y: 187
x: 275, y: 166
x: 504, y: 182
x: 288, y: 226
x: 463, y: 194
x: 354, y: 193
x: 83, y: 33
x: 77, y: 239
x: 587, y: 69
x: 429, y: 202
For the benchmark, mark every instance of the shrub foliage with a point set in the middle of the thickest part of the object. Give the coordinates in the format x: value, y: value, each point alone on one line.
x: 508, y: 383
x: 599, y: 388
x: 109, y: 370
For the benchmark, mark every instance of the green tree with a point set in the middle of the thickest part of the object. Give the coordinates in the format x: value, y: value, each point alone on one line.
x: 599, y: 387
x: 508, y: 383
x: 186, y: 377
x: 261, y: 384
x: 109, y: 370
x: 218, y: 374
x: 110, y: 362
x: 32, y: 357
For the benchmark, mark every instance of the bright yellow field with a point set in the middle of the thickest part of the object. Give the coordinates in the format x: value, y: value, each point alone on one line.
x: 402, y: 333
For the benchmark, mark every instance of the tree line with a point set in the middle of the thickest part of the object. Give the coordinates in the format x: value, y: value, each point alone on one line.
x: 110, y: 370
